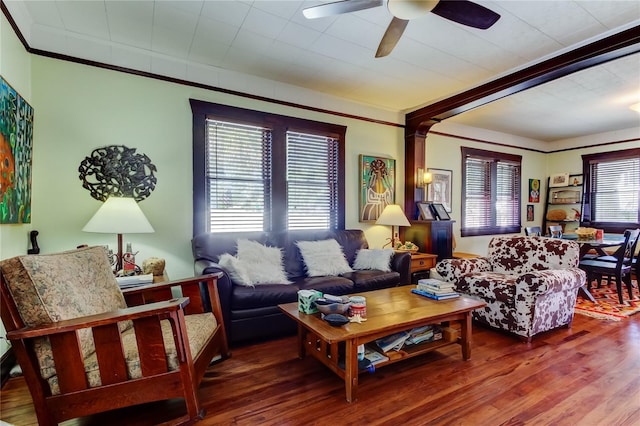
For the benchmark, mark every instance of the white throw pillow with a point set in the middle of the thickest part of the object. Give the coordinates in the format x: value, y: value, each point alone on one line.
x: 263, y: 264
x: 236, y: 269
x: 379, y: 259
x: 323, y: 258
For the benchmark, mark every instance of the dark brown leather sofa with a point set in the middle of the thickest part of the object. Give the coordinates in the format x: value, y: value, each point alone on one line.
x: 251, y: 313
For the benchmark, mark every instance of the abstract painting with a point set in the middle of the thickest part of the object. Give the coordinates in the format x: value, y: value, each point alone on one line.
x: 377, y: 186
x: 16, y: 149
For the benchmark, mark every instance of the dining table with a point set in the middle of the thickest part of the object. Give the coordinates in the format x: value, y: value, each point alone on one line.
x: 599, y: 244
x: 608, y: 240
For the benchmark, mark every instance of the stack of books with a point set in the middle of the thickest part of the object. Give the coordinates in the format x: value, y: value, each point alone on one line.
x: 436, y: 289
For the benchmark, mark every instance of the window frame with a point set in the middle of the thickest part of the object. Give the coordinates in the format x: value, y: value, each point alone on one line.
x: 492, y: 229
x: 587, y: 159
x: 279, y: 124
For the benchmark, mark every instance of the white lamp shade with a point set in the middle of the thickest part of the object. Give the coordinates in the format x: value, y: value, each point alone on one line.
x: 119, y: 215
x: 394, y: 216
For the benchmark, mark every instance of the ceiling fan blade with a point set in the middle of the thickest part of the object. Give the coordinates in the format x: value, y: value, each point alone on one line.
x: 391, y: 36
x: 339, y: 7
x: 466, y: 13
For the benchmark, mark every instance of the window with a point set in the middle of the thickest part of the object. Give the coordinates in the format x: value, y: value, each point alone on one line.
x: 312, y: 181
x: 490, y: 192
x: 254, y: 171
x: 612, y: 185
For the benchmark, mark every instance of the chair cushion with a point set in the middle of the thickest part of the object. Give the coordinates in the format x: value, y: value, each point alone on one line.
x: 200, y: 327
x: 490, y: 286
x: 61, y: 286
x: 518, y: 255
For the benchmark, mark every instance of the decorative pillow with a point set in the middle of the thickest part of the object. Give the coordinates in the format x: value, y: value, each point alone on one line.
x: 263, y: 264
x: 379, y: 259
x: 323, y: 258
x: 236, y: 269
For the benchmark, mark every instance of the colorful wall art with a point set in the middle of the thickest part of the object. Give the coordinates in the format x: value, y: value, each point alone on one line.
x: 16, y: 149
x: 377, y: 186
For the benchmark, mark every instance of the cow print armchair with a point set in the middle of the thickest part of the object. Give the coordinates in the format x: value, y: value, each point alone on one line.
x: 530, y: 284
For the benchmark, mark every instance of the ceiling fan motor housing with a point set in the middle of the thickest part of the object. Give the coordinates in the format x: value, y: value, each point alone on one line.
x: 410, y: 9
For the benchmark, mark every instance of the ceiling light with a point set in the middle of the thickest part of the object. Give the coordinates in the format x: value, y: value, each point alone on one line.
x: 635, y: 107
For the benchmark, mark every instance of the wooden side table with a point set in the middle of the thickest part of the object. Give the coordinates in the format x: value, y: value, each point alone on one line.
x: 422, y: 262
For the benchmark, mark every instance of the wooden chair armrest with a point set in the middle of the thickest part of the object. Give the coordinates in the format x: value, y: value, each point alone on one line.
x: 133, y: 313
x: 190, y: 287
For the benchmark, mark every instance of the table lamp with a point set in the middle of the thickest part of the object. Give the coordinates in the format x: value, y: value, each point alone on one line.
x: 394, y: 216
x: 119, y: 215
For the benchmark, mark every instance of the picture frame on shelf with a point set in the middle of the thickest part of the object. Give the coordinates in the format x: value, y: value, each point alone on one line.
x: 440, y: 212
x: 558, y: 179
x: 425, y: 211
x: 439, y: 190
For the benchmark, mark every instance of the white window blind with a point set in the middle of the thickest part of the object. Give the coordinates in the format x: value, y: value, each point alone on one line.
x: 491, y: 197
x: 615, y: 185
x: 312, y: 181
x: 238, y: 172
x: 478, y: 193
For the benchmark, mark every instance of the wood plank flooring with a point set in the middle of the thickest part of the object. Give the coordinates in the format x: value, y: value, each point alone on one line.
x: 587, y: 375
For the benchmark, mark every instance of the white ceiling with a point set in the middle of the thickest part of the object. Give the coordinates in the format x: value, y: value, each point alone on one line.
x: 434, y: 59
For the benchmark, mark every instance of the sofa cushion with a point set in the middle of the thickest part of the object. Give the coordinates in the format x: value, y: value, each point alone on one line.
x: 263, y: 295
x: 323, y: 258
x: 337, y: 286
x: 379, y: 259
x: 263, y: 264
x: 370, y: 279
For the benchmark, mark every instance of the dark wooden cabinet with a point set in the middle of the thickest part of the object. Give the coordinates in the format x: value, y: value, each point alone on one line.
x: 432, y: 236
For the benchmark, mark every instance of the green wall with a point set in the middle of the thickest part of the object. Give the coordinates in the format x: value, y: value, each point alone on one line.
x: 79, y: 108
x: 15, y: 68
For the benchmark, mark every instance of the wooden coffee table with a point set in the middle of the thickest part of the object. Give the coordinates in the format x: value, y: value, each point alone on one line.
x: 388, y: 311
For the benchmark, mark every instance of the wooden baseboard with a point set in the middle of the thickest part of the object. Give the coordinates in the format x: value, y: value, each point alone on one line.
x: 7, y: 362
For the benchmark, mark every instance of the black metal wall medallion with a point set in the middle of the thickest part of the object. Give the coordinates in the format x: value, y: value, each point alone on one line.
x: 119, y: 171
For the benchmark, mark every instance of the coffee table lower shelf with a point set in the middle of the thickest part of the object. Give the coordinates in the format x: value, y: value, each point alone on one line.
x: 329, y: 354
x: 389, y: 311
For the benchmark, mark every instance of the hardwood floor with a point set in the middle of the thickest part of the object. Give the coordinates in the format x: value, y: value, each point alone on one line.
x: 586, y: 375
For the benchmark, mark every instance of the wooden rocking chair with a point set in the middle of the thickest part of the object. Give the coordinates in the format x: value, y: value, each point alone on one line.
x: 85, y: 347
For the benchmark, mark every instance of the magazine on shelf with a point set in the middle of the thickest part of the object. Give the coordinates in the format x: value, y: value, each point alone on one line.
x: 393, y: 341
x: 374, y: 356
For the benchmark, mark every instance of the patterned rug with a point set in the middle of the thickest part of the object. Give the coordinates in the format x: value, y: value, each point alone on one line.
x: 607, y: 306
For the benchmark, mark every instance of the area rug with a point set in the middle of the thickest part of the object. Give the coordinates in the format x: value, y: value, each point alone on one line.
x: 607, y: 306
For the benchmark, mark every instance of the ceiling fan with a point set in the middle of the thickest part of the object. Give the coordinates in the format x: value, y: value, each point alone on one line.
x: 461, y: 11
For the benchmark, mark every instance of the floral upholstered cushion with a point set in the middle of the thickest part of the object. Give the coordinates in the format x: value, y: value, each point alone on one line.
x: 55, y: 287
x: 200, y: 327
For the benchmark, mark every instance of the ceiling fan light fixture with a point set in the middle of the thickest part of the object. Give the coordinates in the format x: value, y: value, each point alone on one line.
x: 410, y: 9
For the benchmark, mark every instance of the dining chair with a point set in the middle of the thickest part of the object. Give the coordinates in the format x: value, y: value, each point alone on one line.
x: 555, y: 231
x: 620, y: 269
x: 533, y: 231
